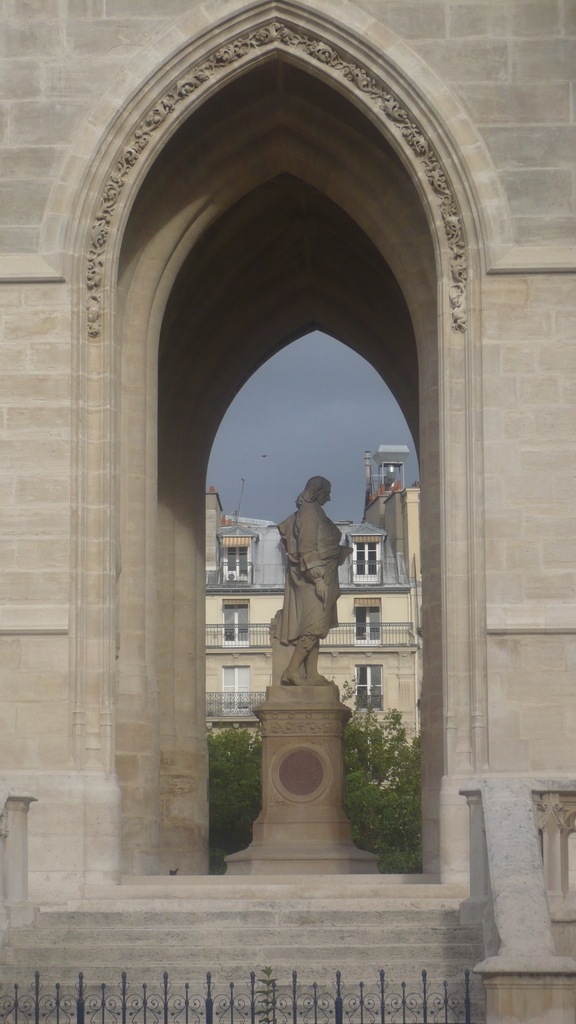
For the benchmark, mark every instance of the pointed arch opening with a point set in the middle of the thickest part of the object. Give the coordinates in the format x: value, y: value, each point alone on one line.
x: 276, y: 207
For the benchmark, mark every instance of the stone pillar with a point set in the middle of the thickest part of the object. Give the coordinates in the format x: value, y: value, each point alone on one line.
x: 15, y: 860
x: 302, y: 828
x: 473, y: 909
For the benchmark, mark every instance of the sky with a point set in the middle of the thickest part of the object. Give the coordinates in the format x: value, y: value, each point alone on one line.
x: 311, y: 410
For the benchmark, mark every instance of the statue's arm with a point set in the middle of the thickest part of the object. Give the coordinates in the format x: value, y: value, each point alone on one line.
x: 307, y: 536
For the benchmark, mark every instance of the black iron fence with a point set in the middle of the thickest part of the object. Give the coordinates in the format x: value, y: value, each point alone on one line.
x: 261, y: 1001
x: 347, y: 634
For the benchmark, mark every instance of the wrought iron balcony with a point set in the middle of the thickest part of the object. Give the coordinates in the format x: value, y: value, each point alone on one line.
x: 371, y: 634
x: 366, y: 571
x: 233, y: 705
x: 368, y: 701
x: 253, y: 635
x: 347, y: 634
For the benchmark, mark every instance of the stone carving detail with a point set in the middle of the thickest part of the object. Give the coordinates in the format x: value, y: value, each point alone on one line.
x: 556, y: 811
x: 301, y: 723
x: 556, y: 821
x: 272, y: 34
x: 275, y: 799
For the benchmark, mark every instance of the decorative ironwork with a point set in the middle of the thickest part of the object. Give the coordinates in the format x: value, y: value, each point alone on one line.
x: 346, y: 634
x: 233, y: 705
x: 368, y: 570
x: 369, y: 702
x: 420, y: 1003
x: 371, y: 634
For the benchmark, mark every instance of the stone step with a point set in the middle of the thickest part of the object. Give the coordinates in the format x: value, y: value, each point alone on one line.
x: 302, y: 924
x: 278, y: 946
x: 297, y: 915
x: 234, y: 934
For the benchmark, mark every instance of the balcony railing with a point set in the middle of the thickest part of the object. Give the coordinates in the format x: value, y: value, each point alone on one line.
x: 368, y: 701
x: 347, y: 634
x: 233, y: 705
x: 242, y: 574
x: 366, y: 571
x: 371, y: 634
x: 254, y: 635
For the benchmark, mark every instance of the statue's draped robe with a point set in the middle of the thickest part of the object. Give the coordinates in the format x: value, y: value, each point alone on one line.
x: 311, y: 541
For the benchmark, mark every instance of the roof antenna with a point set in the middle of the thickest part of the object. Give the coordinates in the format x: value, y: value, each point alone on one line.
x: 237, y: 511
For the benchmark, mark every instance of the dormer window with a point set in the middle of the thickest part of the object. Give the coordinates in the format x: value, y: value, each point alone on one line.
x: 236, y: 562
x: 366, y: 560
x: 236, y: 557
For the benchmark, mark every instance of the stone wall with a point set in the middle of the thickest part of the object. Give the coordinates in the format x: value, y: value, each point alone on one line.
x: 496, y: 80
x: 511, y: 64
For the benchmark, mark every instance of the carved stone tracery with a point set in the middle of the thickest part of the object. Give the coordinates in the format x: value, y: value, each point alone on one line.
x: 556, y: 811
x: 301, y: 723
x: 556, y: 822
x: 277, y: 33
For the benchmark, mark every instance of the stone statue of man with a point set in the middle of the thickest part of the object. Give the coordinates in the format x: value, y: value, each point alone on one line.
x: 314, y: 552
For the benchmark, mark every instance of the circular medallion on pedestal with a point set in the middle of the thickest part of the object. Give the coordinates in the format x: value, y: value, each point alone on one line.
x: 301, y: 772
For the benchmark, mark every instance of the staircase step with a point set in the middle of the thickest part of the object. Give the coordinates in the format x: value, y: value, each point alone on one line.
x: 314, y: 926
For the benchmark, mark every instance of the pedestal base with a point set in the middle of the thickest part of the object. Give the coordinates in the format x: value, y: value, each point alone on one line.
x: 302, y: 828
x: 303, y: 859
x: 533, y: 998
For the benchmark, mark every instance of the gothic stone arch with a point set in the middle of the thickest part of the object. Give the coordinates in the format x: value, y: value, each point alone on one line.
x: 372, y: 163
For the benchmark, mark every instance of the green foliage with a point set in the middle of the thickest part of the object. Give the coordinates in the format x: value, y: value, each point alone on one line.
x: 266, y: 997
x: 382, y: 768
x: 234, y: 791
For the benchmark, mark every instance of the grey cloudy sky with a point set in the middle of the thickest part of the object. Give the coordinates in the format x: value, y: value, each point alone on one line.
x: 311, y: 410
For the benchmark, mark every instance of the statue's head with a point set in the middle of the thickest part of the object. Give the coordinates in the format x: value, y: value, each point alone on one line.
x: 317, y: 489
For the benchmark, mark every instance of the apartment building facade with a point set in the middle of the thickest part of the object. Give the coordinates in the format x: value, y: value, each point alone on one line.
x: 376, y: 647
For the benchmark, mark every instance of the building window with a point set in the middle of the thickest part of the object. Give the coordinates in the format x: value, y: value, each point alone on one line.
x: 369, y: 687
x: 367, y: 624
x: 236, y: 563
x: 236, y: 624
x: 366, y: 561
x: 236, y: 679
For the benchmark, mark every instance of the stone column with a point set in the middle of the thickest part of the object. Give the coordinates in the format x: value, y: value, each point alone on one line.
x: 302, y: 828
x: 15, y: 866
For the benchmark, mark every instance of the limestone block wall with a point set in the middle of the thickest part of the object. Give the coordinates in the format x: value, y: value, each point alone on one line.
x: 510, y: 63
x: 529, y: 356
x: 510, y: 66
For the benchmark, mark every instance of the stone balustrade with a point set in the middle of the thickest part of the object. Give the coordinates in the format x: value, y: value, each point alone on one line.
x: 556, y: 821
x: 511, y: 873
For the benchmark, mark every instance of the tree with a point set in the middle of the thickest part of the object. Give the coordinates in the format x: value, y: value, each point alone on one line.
x: 382, y: 768
x: 234, y: 792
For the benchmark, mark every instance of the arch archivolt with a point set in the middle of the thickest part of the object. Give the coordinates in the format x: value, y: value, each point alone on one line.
x: 314, y: 51
x: 123, y: 292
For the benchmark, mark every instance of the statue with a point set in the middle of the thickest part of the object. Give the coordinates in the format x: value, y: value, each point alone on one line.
x: 314, y: 552
x: 302, y: 827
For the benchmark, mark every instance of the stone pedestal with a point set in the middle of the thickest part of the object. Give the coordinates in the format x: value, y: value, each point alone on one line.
x: 533, y: 997
x: 302, y: 828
